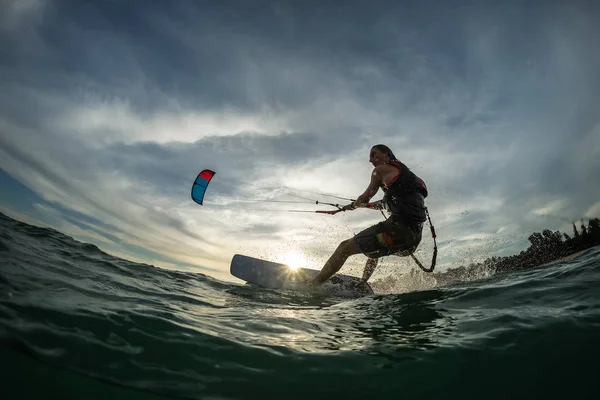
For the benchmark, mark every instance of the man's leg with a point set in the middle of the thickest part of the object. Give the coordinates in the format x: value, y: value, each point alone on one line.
x: 336, y: 261
x: 370, y: 266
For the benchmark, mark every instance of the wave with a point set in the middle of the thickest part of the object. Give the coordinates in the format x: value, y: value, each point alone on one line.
x: 178, y: 334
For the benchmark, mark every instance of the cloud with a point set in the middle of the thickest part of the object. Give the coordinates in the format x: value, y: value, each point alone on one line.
x: 18, y: 14
x: 550, y: 208
x: 107, y: 122
x: 593, y: 211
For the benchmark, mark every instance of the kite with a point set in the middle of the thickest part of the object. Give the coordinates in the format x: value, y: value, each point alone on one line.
x: 200, y: 184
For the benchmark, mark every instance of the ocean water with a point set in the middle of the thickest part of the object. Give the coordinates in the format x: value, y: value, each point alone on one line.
x: 78, y: 323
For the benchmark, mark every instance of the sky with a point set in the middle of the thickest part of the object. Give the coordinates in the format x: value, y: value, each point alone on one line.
x: 109, y: 109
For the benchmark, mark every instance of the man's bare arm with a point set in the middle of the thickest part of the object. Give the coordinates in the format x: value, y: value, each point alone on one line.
x: 370, y: 191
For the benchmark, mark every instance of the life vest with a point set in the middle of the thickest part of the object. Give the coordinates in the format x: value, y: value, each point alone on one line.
x: 404, y: 197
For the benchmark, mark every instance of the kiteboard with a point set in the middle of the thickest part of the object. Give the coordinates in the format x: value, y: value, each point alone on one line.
x: 274, y: 275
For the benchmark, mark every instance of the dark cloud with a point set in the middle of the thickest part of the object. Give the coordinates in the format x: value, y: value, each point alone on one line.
x: 211, y: 54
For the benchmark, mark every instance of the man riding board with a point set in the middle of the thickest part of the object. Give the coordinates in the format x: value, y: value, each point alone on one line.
x: 400, y: 233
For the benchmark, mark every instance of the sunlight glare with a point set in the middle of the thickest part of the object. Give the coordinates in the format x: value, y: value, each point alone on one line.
x: 294, y: 260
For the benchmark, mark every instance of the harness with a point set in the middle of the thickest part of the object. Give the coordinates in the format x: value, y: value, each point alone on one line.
x: 406, y: 181
x: 404, y: 196
x: 399, y: 199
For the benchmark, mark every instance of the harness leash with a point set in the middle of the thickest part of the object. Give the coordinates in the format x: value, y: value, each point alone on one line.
x: 434, y: 258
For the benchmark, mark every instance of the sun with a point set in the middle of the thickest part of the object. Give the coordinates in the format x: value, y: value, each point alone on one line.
x: 294, y: 260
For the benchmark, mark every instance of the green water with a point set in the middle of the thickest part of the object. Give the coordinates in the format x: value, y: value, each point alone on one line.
x: 78, y: 323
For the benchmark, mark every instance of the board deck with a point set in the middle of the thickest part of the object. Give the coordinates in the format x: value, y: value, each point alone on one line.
x: 274, y: 275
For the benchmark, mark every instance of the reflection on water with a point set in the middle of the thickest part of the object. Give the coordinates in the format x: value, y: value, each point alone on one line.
x: 377, y: 325
x: 391, y: 323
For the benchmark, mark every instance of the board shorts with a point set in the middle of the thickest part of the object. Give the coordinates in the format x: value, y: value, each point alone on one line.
x: 389, y: 237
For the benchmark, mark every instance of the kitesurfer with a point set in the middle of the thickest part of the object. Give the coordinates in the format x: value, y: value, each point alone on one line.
x: 400, y: 233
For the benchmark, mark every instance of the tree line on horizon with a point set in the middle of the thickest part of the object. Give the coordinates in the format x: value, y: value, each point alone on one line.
x: 545, y: 247
x: 549, y: 246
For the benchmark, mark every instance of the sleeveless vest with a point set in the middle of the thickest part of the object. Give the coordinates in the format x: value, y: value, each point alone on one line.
x: 405, y: 196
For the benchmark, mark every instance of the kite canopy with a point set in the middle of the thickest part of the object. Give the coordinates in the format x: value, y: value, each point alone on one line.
x: 200, y: 184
